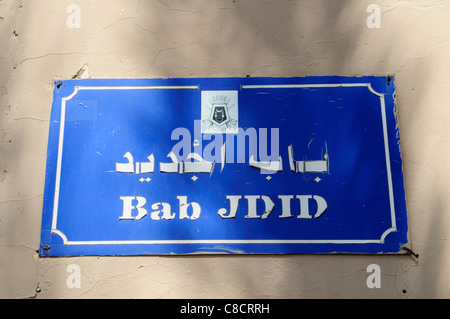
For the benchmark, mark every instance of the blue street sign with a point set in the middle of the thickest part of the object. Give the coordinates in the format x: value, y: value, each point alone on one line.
x: 224, y: 165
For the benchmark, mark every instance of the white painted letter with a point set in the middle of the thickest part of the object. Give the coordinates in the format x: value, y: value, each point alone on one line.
x: 268, y: 206
x: 166, y: 211
x: 128, y: 207
x: 126, y: 167
x: 196, y: 209
x: 304, y: 206
x: 285, y: 205
x: 252, y: 206
x: 234, y: 202
x: 252, y: 212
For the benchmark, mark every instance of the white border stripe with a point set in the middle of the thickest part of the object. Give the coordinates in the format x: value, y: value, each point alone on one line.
x: 388, y: 162
x: 301, y: 86
x: 220, y: 241
x: 188, y: 87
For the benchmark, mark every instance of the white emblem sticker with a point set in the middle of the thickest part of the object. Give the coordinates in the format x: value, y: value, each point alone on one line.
x: 219, y: 112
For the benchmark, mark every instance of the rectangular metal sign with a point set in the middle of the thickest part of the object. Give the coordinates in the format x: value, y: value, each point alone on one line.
x: 224, y: 165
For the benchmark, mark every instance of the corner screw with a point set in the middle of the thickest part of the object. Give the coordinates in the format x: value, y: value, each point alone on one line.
x: 410, y: 251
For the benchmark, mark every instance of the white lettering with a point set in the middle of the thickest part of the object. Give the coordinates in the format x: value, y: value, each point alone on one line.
x: 234, y: 203
x: 197, y: 309
x: 128, y: 207
x: 166, y: 211
x: 285, y: 205
x: 192, y: 210
x: 252, y: 213
x: 269, y: 205
x: 304, y: 206
x: 184, y: 205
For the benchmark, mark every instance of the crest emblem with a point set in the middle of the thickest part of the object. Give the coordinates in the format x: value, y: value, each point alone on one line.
x: 219, y: 112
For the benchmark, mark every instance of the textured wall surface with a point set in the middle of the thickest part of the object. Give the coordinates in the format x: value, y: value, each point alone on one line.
x: 45, y: 40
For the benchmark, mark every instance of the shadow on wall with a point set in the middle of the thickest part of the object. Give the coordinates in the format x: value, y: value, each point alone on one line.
x: 259, y: 38
x: 20, y: 207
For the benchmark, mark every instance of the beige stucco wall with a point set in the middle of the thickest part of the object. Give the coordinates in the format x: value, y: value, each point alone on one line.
x: 202, y: 38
